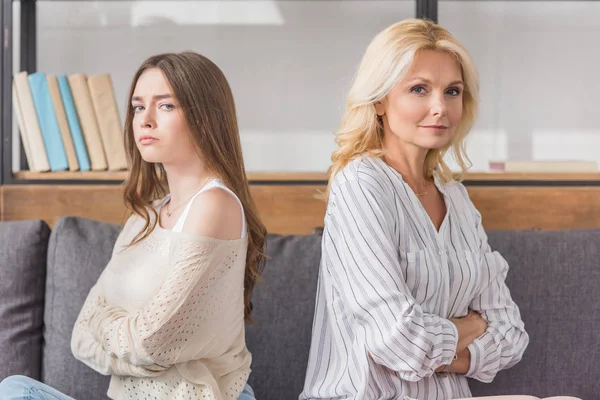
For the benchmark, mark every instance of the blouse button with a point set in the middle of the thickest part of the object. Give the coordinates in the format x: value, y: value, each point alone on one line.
x: 441, y: 251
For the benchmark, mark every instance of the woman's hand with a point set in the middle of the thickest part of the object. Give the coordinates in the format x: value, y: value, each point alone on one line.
x: 469, y: 327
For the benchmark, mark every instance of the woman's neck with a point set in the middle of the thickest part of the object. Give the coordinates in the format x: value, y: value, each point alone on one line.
x: 185, y: 182
x: 408, y: 161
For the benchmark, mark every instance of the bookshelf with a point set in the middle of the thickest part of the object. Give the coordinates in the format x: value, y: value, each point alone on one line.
x: 27, y: 58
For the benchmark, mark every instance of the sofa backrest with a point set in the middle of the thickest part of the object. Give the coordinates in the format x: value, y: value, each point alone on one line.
x: 23, y: 247
x: 554, y: 278
x: 78, y: 251
x: 284, y: 302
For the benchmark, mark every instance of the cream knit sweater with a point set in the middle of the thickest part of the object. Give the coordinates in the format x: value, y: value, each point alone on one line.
x: 166, y: 318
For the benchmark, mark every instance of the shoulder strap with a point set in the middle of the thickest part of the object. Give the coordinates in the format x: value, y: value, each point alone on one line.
x: 210, y: 185
x: 178, y: 227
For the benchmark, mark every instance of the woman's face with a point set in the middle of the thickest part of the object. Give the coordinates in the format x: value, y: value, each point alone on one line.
x: 425, y: 107
x: 160, y: 130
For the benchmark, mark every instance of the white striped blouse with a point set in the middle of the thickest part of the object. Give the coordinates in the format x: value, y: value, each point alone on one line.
x: 388, y: 284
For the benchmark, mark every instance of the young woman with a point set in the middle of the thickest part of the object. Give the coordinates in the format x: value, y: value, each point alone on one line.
x: 166, y: 317
x: 411, y: 299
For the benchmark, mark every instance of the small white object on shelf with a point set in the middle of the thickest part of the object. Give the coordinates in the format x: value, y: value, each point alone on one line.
x: 554, y: 166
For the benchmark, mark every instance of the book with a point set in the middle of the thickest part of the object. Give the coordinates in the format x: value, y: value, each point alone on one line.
x: 87, y: 120
x: 21, y: 123
x: 63, y: 124
x: 28, y: 124
x: 109, y: 123
x: 557, y: 166
x: 46, y: 114
x: 73, y: 121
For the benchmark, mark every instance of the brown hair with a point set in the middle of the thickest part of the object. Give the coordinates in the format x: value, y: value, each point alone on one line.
x: 205, y: 97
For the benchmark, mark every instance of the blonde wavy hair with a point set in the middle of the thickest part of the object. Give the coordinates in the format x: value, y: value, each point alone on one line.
x: 386, y: 61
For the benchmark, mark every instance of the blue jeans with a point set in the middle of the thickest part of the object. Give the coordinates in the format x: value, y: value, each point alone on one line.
x: 18, y: 387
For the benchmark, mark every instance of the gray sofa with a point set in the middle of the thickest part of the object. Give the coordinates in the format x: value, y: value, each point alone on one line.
x: 45, y: 276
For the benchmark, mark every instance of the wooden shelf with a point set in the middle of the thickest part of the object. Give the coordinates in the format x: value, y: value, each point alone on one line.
x: 294, y: 209
x: 71, y: 175
x: 122, y: 175
x: 313, y: 176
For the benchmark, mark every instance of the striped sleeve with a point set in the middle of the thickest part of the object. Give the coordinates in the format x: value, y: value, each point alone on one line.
x: 361, y: 257
x: 505, y: 340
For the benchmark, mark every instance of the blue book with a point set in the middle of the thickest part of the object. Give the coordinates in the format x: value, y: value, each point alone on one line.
x: 57, y: 157
x: 73, y: 120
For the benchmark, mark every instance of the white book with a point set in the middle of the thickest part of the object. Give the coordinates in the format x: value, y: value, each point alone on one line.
x: 28, y: 124
x: 21, y: 123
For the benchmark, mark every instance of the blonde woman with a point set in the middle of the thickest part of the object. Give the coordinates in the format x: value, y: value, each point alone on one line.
x: 411, y: 299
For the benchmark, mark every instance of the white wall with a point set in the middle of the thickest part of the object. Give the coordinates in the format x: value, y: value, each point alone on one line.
x: 290, y: 64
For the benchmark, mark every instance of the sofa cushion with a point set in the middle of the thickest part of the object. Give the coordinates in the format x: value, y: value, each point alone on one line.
x: 23, y: 248
x: 78, y: 252
x: 284, y: 302
x: 554, y: 278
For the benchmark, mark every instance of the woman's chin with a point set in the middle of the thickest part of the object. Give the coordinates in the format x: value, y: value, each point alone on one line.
x: 152, y: 158
x: 435, y: 144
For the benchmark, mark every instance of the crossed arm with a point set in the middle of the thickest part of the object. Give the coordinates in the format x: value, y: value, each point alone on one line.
x: 399, y: 334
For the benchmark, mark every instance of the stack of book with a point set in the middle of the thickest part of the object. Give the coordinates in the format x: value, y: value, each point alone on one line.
x: 68, y: 122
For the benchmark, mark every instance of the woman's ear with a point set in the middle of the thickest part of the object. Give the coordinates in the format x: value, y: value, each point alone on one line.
x: 379, y: 108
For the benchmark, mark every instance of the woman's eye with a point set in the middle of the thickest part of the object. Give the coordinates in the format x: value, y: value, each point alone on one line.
x: 418, y: 89
x: 453, y: 92
x: 167, y: 106
x: 137, y: 108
